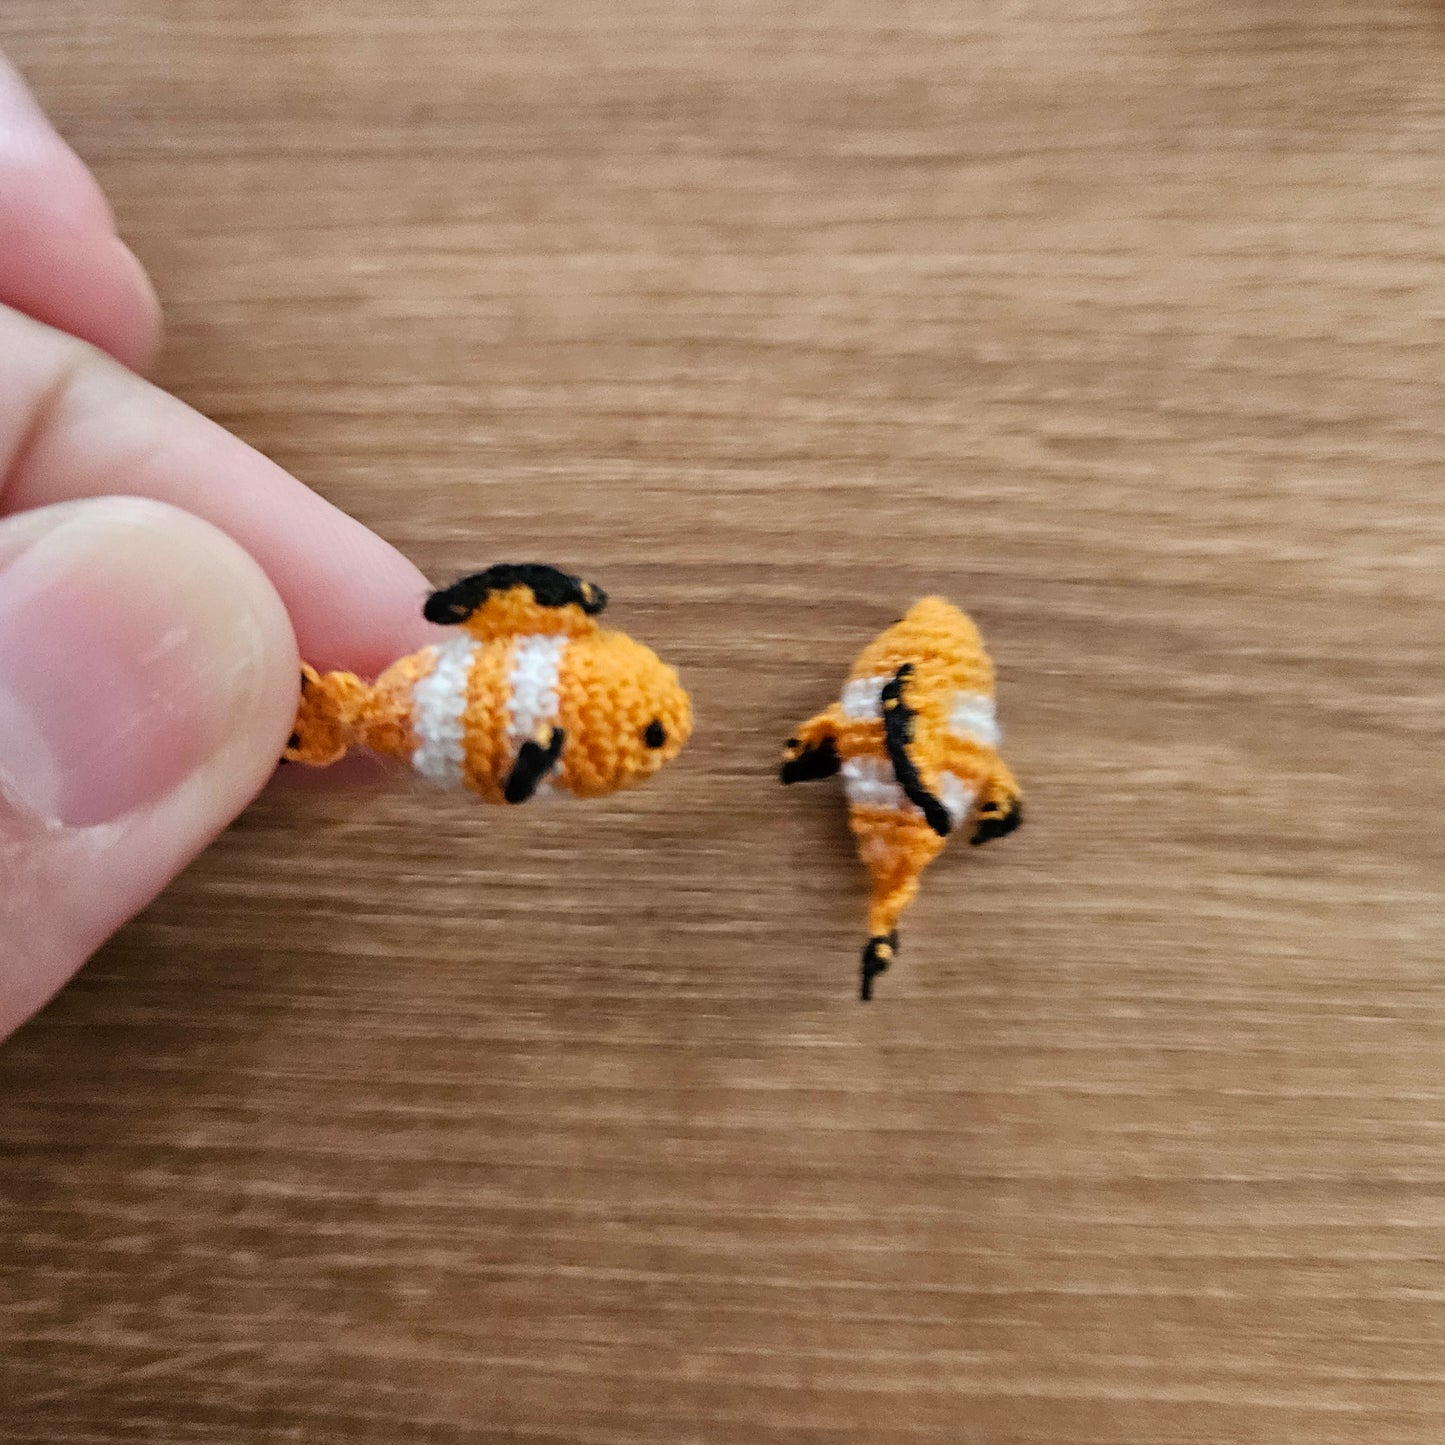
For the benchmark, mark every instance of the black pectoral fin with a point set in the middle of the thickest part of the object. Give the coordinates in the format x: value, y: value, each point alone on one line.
x: 997, y: 820
x: 534, y: 762
x: 819, y: 761
x: 897, y: 735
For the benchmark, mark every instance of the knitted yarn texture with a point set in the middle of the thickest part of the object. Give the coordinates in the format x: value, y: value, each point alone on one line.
x: 532, y: 696
x: 915, y: 738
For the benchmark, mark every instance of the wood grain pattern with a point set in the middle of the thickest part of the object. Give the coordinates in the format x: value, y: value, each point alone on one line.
x: 1120, y: 321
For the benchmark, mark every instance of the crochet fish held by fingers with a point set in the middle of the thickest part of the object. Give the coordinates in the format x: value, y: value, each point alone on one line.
x: 531, y: 697
x: 915, y: 738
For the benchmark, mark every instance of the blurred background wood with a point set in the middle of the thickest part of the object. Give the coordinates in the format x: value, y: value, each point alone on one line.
x: 1118, y: 321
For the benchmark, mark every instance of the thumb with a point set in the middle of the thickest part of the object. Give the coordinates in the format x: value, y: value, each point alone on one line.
x: 148, y: 678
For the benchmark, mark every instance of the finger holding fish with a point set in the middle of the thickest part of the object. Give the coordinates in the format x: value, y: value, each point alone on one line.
x: 531, y: 697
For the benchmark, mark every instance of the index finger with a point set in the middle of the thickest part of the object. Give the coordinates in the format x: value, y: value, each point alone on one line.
x: 60, y: 258
x: 73, y: 423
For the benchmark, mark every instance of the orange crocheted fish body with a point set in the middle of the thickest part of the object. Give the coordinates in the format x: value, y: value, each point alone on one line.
x: 915, y: 738
x: 531, y: 697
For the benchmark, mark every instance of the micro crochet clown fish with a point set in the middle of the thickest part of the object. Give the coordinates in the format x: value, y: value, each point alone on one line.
x: 531, y: 697
x: 915, y: 738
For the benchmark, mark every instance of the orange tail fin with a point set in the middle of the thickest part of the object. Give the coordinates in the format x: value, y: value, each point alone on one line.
x: 328, y: 720
x: 896, y: 848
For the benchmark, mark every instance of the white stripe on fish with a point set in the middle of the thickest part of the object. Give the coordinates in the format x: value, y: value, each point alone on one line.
x: 438, y: 703
x: 972, y: 716
x: 533, y: 704
x: 863, y: 698
x: 872, y: 783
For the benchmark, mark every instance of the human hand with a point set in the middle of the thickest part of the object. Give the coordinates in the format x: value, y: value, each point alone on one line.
x: 156, y: 575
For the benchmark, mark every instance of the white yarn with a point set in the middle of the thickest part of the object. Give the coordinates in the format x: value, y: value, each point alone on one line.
x: 872, y: 783
x: 955, y: 795
x: 972, y: 716
x: 533, y: 701
x: 438, y: 702
x: 863, y: 698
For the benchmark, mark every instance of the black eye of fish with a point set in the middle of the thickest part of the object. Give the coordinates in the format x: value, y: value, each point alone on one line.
x: 655, y: 734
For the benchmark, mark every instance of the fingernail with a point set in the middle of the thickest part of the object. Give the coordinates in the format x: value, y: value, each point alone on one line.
x: 127, y: 655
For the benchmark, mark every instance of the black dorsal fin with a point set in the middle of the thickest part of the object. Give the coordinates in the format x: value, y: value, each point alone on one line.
x: 549, y: 585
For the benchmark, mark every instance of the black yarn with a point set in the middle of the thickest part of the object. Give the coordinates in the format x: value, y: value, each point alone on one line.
x: 817, y: 762
x: 897, y: 734
x: 550, y: 586
x: 994, y: 822
x: 876, y: 958
x: 533, y: 764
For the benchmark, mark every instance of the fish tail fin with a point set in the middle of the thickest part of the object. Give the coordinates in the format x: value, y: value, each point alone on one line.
x: 892, y: 893
x: 878, y: 953
x: 895, y: 848
x: 889, y: 900
x: 329, y: 718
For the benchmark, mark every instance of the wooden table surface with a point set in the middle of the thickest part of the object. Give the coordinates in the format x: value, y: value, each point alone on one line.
x: 1119, y: 321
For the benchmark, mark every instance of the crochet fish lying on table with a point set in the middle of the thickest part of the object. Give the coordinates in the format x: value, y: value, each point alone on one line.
x: 531, y: 697
x: 914, y: 736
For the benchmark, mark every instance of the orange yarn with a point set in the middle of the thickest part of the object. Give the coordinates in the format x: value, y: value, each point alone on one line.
x: 914, y: 736
x: 531, y: 697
